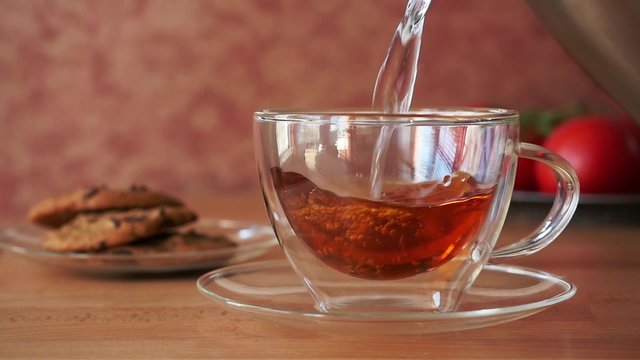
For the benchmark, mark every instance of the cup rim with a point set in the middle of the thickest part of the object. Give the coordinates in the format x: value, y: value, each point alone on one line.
x: 428, y: 116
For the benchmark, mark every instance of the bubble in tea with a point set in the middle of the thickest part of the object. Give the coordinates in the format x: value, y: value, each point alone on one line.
x: 412, y: 229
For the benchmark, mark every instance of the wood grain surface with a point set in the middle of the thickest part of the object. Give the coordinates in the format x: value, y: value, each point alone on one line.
x: 52, y: 313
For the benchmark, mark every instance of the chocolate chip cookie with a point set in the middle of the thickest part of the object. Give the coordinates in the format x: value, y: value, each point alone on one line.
x: 58, y: 211
x: 99, y: 231
x: 174, y: 242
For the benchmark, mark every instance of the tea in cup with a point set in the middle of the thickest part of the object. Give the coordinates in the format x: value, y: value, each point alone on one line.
x: 381, y: 212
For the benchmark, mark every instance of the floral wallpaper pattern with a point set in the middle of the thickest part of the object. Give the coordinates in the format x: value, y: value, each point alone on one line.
x: 162, y: 91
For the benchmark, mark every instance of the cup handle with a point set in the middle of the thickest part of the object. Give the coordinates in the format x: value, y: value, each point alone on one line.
x: 561, y: 212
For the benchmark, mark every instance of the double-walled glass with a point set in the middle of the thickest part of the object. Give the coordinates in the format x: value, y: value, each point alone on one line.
x: 397, y: 212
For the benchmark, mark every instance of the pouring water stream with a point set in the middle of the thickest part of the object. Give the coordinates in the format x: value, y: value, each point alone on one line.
x: 396, y: 80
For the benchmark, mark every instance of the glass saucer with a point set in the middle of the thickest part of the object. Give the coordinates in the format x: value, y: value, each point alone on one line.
x: 251, y: 241
x: 271, y: 291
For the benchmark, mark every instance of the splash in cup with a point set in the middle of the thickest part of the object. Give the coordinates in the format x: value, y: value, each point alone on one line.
x: 404, y: 224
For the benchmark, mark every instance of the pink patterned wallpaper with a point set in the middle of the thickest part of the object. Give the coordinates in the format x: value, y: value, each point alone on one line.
x: 162, y: 91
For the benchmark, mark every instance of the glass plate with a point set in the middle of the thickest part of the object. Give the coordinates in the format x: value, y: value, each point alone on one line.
x: 593, y: 209
x: 585, y: 199
x: 252, y: 240
x: 271, y: 291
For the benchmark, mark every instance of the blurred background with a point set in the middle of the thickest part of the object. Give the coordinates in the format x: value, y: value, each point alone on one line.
x: 162, y: 92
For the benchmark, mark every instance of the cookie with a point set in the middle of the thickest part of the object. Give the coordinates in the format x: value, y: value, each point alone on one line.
x: 174, y: 242
x: 92, y: 232
x: 58, y: 211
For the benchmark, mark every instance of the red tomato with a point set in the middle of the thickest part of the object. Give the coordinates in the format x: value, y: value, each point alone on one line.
x: 525, y: 174
x: 632, y: 126
x: 604, y: 153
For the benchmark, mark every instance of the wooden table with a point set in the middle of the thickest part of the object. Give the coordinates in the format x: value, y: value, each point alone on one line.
x: 51, y: 313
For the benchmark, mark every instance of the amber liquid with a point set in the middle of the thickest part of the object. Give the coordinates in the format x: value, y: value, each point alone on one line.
x: 413, y: 229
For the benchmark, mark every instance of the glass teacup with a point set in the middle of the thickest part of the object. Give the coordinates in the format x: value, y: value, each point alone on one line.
x: 385, y: 212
